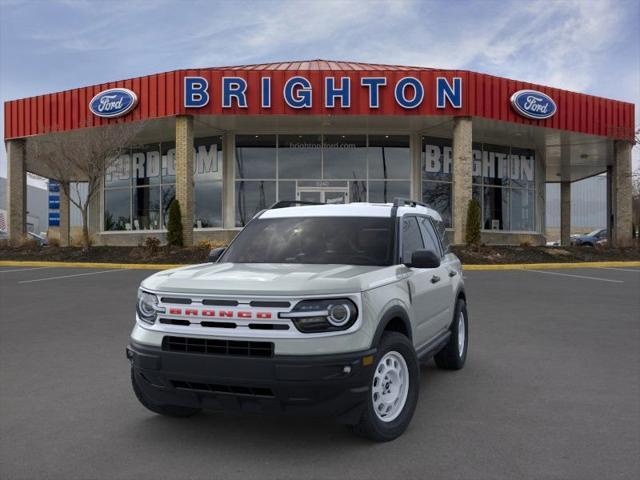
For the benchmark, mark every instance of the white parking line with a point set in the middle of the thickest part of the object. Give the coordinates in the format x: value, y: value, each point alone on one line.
x: 69, y: 276
x: 24, y: 269
x: 577, y: 276
x: 637, y: 270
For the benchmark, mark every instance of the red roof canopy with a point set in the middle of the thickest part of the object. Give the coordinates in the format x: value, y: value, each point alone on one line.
x: 161, y: 95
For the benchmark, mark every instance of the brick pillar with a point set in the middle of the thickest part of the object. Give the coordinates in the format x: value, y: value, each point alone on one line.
x: 16, y: 191
x: 184, y: 174
x: 621, y: 184
x: 65, y: 218
x: 565, y: 213
x: 462, y: 174
x: 228, y: 181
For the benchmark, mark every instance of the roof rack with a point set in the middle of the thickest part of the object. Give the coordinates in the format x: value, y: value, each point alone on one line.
x: 292, y: 203
x: 402, y: 202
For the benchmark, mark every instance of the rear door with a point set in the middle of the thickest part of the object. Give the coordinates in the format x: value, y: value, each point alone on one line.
x: 425, y: 284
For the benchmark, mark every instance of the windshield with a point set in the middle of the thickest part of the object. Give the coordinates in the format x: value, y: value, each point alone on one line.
x: 341, y: 240
x: 594, y: 233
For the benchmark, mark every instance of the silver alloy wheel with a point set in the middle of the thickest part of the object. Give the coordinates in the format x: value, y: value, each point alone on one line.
x: 390, y: 387
x: 461, y: 334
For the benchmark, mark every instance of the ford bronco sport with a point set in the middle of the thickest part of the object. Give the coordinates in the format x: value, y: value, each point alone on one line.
x: 312, y: 309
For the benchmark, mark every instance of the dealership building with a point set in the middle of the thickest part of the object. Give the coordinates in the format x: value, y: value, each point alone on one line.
x: 228, y: 142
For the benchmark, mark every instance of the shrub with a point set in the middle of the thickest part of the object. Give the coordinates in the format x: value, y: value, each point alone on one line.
x: 472, y: 235
x: 174, y: 226
x: 525, y: 244
x: 152, y: 244
x: 54, y: 242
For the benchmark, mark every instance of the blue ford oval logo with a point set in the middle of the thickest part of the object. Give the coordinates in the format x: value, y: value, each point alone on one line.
x: 533, y: 104
x: 114, y: 102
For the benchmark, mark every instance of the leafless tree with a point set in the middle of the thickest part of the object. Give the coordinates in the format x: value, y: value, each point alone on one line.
x: 82, y: 156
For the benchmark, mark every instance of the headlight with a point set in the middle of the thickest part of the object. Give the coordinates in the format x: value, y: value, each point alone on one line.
x: 312, y: 316
x: 147, y: 307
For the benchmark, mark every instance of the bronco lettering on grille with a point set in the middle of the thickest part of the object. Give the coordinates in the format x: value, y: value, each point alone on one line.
x: 209, y: 312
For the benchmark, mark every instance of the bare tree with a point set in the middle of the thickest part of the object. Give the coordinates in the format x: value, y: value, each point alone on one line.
x: 82, y: 156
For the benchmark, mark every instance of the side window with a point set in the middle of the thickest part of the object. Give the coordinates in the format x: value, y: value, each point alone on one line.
x: 430, y: 239
x: 442, y: 234
x: 411, y: 238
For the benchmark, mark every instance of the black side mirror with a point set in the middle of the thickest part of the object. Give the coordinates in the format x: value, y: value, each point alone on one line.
x: 424, y: 259
x: 215, y: 254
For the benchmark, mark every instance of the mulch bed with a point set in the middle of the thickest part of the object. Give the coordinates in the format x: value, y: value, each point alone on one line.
x: 481, y: 255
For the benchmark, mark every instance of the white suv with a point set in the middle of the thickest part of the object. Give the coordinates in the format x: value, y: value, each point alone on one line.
x: 312, y: 309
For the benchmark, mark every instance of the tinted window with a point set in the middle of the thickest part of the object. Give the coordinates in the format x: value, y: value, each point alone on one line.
x: 442, y: 234
x: 411, y: 238
x: 339, y: 240
x: 429, y: 236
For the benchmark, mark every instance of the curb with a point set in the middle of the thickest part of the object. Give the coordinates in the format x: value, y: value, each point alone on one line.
x: 165, y: 266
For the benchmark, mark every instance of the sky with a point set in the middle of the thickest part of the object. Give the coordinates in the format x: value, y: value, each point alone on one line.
x: 581, y: 45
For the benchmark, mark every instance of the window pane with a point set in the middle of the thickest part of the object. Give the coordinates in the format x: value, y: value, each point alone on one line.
x: 251, y: 197
x: 358, y: 191
x: 389, y: 156
x: 345, y: 156
x: 442, y: 233
x: 168, y: 194
x: 286, y: 190
x: 477, y: 163
x: 255, y: 156
x: 436, y: 159
x: 495, y: 165
x: 300, y: 156
x: 522, y: 167
x: 168, y: 162
x: 208, y: 205
x: 207, y: 162
x: 411, y: 238
x: 145, y: 161
x: 118, y: 174
x: 438, y: 196
x: 116, y: 209
x: 522, y: 210
x: 429, y: 236
x: 496, y: 208
x: 384, y: 192
x: 146, y: 208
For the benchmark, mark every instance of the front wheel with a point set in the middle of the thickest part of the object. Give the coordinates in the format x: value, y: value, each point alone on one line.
x: 394, y: 390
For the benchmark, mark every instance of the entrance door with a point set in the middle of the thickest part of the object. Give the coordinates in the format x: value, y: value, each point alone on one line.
x: 323, y: 194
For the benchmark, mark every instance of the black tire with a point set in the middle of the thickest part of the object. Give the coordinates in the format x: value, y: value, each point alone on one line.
x: 370, y: 425
x: 167, y: 410
x: 449, y: 358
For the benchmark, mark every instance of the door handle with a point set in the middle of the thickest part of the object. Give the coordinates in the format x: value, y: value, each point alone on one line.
x: 435, y: 279
x: 452, y: 273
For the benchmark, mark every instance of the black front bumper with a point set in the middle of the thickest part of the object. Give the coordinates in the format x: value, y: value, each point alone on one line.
x: 314, y: 385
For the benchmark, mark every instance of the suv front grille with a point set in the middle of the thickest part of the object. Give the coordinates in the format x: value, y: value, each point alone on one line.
x: 236, y: 348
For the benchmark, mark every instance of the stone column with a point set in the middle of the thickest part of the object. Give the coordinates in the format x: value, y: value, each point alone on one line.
x: 462, y: 175
x: 65, y: 218
x: 184, y: 174
x: 565, y: 213
x: 16, y: 191
x: 415, y: 147
x: 228, y: 180
x: 621, y: 184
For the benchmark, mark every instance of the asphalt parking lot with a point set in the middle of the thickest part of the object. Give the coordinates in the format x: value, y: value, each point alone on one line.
x: 551, y: 389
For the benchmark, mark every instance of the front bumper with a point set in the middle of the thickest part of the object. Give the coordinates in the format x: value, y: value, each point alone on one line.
x: 313, y: 385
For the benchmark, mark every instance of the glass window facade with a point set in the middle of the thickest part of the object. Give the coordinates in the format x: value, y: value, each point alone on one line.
x: 503, y: 183
x: 140, y: 186
x: 321, y: 168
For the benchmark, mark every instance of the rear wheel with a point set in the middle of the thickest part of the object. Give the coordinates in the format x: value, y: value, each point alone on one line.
x: 168, y: 410
x: 454, y: 354
x: 394, y: 390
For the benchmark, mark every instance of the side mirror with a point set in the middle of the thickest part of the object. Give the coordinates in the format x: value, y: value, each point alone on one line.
x: 215, y: 254
x: 424, y: 259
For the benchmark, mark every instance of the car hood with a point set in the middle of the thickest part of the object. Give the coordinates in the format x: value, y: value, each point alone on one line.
x: 272, y: 279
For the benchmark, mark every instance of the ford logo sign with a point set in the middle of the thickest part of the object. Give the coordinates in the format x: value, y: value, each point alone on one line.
x: 533, y: 104
x: 114, y: 102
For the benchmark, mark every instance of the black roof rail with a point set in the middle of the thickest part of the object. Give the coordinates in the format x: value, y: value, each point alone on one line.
x: 402, y: 202
x: 292, y: 203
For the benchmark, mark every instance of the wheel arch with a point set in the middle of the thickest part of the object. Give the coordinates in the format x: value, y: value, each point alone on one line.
x: 395, y: 319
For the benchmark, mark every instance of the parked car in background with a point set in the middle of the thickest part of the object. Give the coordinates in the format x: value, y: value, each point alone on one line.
x: 591, y: 238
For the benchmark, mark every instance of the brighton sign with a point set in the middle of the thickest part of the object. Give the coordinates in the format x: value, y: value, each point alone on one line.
x: 533, y: 104
x: 113, y: 103
x: 408, y: 92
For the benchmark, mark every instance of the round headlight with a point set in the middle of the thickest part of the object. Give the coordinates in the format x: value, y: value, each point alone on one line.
x: 339, y: 314
x: 147, y: 306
